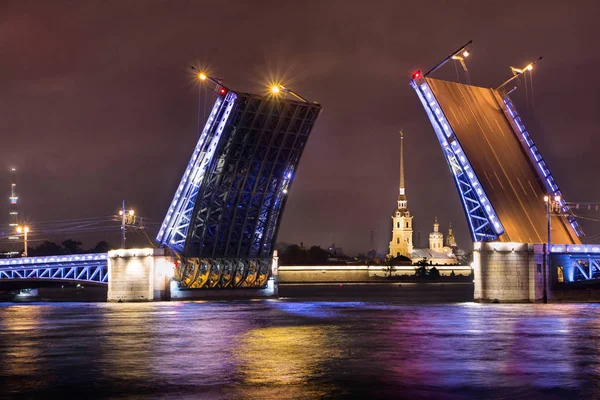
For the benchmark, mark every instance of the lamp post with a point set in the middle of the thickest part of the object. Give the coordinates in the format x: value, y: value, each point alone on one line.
x: 24, y: 230
x: 551, y: 204
x: 277, y: 89
x: 125, y: 214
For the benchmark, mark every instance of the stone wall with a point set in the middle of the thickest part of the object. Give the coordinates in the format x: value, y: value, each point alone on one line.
x: 355, y: 273
x: 324, y: 274
x: 508, y: 272
x: 138, y: 275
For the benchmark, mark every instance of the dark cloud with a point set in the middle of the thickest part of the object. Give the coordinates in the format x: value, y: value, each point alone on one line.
x: 97, y: 102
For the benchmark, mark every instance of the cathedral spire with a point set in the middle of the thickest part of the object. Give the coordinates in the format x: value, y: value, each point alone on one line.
x: 401, y: 163
x: 402, y: 203
x: 402, y: 243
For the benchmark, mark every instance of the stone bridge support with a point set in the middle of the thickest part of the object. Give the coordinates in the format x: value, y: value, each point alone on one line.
x: 139, y: 274
x: 508, y: 272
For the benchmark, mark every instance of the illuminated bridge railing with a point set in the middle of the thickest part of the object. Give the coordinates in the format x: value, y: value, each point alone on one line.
x: 576, y: 262
x: 79, y: 267
x: 483, y: 221
x: 536, y: 158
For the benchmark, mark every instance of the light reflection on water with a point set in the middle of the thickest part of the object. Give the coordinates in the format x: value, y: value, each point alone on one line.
x: 284, y: 349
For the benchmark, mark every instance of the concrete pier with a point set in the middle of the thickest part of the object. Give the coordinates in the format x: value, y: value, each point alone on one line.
x: 508, y: 272
x: 139, y: 275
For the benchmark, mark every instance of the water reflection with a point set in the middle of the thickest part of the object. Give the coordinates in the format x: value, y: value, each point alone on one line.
x: 286, y: 360
x: 279, y: 349
x: 19, y: 350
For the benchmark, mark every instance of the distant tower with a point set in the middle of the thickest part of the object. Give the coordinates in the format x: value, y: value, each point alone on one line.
x: 402, y: 241
x: 450, y: 241
x: 436, y: 238
x: 13, y: 199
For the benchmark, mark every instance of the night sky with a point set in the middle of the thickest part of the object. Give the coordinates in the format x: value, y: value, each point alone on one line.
x: 98, y: 102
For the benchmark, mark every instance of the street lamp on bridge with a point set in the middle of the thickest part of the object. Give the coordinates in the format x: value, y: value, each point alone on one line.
x: 552, y: 205
x: 24, y: 230
x: 127, y: 216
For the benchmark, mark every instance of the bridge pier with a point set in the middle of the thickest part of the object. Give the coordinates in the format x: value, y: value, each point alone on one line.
x: 509, y: 272
x: 139, y: 275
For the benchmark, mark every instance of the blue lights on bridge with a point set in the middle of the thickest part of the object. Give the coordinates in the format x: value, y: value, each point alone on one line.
x: 546, y: 177
x: 577, y: 262
x: 78, y: 268
x: 484, y: 224
x: 174, y: 229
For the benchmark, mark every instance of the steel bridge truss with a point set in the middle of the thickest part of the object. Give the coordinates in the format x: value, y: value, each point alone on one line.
x: 225, y: 214
x: 483, y: 221
x: 76, y: 268
x: 585, y: 269
x: 174, y: 229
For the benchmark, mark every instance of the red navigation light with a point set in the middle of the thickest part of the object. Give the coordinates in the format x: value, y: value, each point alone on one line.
x: 222, y: 91
x: 417, y: 75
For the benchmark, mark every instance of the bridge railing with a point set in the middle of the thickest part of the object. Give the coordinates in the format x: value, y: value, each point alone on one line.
x: 74, y: 267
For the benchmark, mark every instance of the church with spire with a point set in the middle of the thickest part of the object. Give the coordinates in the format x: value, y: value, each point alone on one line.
x: 439, y: 252
x: 402, y: 233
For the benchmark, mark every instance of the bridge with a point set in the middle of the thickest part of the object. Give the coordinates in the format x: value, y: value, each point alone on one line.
x: 220, y: 228
x: 80, y: 268
x: 510, y: 198
x: 223, y: 221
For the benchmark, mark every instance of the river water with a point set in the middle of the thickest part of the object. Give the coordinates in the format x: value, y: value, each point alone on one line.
x: 276, y: 349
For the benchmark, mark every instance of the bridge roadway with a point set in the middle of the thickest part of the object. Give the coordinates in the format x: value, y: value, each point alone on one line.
x: 501, y: 163
x: 88, y: 268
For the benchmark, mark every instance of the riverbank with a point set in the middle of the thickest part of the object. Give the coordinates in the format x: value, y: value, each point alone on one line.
x: 422, y: 292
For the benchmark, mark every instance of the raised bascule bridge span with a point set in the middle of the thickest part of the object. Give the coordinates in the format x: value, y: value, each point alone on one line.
x: 512, y: 203
x: 221, y: 226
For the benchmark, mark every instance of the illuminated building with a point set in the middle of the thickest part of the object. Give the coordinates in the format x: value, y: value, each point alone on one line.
x: 402, y: 241
x: 402, y: 232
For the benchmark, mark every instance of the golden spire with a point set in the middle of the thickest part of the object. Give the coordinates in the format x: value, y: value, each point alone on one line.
x: 401, y: 163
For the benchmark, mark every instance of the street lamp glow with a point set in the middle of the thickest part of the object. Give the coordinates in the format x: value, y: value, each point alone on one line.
x: 24, y: 230
x: 466, y: 53
x: 202, y: 76
x: 275, y: 89
x: 546, y: 198
x: 529, y: 67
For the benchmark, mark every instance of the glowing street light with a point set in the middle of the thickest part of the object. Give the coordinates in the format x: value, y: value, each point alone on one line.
x: 276, y: 89
x: 24, y: 230
x: 125, y: 214
x: 519, y: 71
x: 219, y: 88
x: 461, y: 60
x: 552, y: 204
x: 453, y: 56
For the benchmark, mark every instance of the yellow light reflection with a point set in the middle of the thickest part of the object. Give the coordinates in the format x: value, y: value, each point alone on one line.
x: 285, y: 355
x: 21, y: 352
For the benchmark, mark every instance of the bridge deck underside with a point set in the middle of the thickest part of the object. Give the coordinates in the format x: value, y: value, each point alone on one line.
x: 499, y: 160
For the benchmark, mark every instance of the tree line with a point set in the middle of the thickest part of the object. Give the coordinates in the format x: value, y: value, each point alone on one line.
x: 69, y: 246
